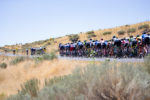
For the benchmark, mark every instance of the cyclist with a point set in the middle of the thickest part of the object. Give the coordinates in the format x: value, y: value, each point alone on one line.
x: 117, y: 47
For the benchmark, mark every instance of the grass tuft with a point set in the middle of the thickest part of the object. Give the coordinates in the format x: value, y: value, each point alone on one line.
x: 147, y: 63
x: 90, y: 34
x: 107, y: 33
x: 121, y: 32
x: 17, y: 60
x: 31, y: 87
x: 131, y: 30
x: 3, y: 65
x: 73, y: 37
x: 50, y: 56
x: 145, y: 26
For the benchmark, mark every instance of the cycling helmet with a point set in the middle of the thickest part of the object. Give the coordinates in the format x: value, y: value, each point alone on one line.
x: 114, y: 36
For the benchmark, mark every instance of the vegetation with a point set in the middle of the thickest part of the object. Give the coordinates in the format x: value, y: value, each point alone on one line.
x: 50, y: 56
x: 145, y: 26
x: 127, y: 25
x: 31, y: 88
x: 131, y: 30
x: 73, y: 37
x: 121, y: 32
x: 106, y: 33
x: 107, y: 81
x: 3, y: 65
x: 17, y: 60
x: 90, y: 34
x: 147, y: 63
x: 2, y: 96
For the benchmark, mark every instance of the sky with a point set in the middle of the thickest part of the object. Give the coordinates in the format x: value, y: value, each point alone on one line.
x: 24, y: 21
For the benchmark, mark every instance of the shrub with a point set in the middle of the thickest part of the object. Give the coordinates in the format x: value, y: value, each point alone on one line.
x: 127, y: 25
x: 107, y: 81
x: 51, y: 39
x: 147, y: 63
x: 121, y: 32
x: 90, y: 34
x: 31, y: 87
x: 106, y: 33
x: 50, y: 56
x: 131, y: 30
x: 3, y: 65
x: 2, y: 96
x: 17, y: 60
x: 73, y: 37
x: 145, y: 26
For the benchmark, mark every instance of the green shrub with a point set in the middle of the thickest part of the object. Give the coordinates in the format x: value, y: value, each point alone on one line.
x: 106, y: 33
x: 107, y: 81
x: 131, y: 30
x: 127, y: 25
x: 17, y: 60
x: 38, y: 59
x: 3, y: 65
x: 50, y: 56
x: 31, y: 87
x: 51, y: 39
x: 73, y: 37
x: 147, y: 63
x: 90, y: 34
x: 29, y: 90
x: 145, y: 26
x: 121, y: 32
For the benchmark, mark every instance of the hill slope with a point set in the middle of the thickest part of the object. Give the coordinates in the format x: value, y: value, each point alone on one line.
x: 52, y: 43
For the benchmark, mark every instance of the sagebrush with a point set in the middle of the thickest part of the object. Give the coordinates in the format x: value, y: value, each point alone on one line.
x: 106, y: 33
x: 107, y: 81
x: 73, y: 37
x: 17, y: 60
x: 49, y: 56
x: 3, y: 65
x: 131, y: 30
x: 90, y: 34
x: 145, y: 26
x: 121, y: 32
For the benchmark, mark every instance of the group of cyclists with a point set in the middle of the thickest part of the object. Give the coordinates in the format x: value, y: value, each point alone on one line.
x: 138, y: 46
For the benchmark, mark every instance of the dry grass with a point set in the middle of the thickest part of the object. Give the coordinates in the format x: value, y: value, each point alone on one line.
x: 14, y: 75
x: 105, y: 81
x: 53, y: 44
x: 99, y: 35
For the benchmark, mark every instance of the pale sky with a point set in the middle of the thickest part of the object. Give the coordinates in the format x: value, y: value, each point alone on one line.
x: 23, y: 21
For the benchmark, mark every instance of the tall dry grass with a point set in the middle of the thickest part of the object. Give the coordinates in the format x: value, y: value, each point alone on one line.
x: 105, y: 81
x: 14, y: 75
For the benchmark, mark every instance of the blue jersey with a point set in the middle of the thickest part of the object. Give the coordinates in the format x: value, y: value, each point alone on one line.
x: 97, y: 42
x: 79, y: 43
x: 144, y: 36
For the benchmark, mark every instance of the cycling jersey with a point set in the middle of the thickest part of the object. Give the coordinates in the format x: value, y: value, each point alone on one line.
x: 144, y: 36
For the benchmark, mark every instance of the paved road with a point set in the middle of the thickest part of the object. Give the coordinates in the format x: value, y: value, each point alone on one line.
x: 86, y: 59
x: 16, y: 55
x: 103, y: 59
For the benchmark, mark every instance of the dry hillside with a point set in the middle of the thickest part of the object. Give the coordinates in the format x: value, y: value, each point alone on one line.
x: 52, y: 43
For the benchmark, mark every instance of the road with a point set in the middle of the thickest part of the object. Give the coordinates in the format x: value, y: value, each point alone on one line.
x: 85, y: 59
x: 103, y: 59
